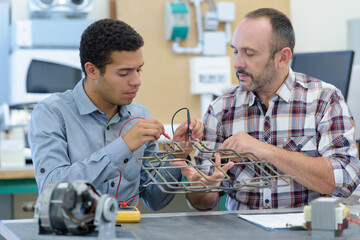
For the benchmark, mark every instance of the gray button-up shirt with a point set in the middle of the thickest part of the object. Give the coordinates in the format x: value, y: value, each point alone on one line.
x: 70, y: 139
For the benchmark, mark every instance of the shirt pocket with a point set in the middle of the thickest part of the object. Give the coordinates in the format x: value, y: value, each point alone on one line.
x: 304, y: 144
x: 133, y: 169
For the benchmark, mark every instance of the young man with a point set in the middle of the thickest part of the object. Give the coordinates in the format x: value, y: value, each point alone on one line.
x: 75, y: 134
x: 298, y: 124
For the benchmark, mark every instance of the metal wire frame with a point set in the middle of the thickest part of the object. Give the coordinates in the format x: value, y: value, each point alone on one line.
x: 159, y: 169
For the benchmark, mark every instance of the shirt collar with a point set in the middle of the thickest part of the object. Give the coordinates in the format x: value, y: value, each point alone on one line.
x: 251, y: 98
x: 124, y: 111
x: 83, y: 102
x: 284, y: 92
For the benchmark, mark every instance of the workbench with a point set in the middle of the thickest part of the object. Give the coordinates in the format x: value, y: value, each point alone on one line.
x: 15, y: 181
x: 194, y: 225
x: 18, y: 180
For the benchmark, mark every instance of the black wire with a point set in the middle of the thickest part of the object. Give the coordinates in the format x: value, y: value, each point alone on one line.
x: 188, y: 120
x: 137, y: 193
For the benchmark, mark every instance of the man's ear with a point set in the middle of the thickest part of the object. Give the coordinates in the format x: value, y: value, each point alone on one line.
x: 92, y: 72
x: 285, y: 57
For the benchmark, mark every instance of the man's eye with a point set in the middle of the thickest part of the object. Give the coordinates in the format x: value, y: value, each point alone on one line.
x: 123, y: 74
x: 249, y: 53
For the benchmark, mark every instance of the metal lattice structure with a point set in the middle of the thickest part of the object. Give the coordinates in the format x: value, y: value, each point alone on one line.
x: 159, y: 169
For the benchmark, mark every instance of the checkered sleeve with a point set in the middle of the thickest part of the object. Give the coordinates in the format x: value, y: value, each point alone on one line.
x: 336, y: 131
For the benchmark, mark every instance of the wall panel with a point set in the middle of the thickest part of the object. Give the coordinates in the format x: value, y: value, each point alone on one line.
x: 165, y: 77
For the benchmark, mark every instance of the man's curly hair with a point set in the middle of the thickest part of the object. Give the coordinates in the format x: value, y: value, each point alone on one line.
x: 102, y: 38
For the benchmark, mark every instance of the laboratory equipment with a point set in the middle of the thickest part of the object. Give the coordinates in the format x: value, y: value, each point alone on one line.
x: 208, y: 77
x: 63, y: 8
x: 128, y: 214
x: 177, y: 20
x: 210, y: 74
x: 75, y: 208
x: 327, y: 217
x: 42, y: 72
x: 210, y: 41
x: 48, y: 53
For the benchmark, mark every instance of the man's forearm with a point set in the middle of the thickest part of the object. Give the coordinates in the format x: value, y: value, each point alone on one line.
x: 315, y: 173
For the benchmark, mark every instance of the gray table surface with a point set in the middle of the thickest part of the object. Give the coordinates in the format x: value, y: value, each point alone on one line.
x: 194, y: 225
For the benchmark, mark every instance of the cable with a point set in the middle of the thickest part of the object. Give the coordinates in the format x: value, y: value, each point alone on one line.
x: 132, y: 198
x: 117, y: 190
x: 127, y: 122
x: 354, y: 220
x: 188, y: 120
x: 125, y: 204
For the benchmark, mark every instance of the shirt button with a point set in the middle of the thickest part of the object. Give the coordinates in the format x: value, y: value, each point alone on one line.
x: 267, y: 118
x: 108, y: 127
x: 267, y: 200
x: 112, y: 184
x: 42, y: 170
x: 126, y: 160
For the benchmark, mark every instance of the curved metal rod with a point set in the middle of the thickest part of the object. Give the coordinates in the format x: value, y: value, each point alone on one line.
x: 158, y: 165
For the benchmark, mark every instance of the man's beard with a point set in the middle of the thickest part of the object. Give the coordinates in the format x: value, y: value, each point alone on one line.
x: 261, y: 81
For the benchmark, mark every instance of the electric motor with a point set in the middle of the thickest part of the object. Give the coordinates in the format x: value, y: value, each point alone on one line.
x: 76, y: 208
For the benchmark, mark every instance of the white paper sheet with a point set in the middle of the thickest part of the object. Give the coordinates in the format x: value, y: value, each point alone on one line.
x: 276, y: 221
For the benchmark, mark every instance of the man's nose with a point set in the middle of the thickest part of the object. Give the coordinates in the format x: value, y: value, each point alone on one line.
x: 135, y: 80
x: 239, y: 62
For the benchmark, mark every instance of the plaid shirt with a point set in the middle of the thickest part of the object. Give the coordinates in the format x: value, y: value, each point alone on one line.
x: 305, y: 115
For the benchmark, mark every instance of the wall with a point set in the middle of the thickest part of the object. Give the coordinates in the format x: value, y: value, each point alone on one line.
x: 165, y: 77
x: 321, y: 25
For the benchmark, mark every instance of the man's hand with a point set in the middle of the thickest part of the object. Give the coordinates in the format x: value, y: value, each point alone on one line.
x: 181, y: 134
x: 143, y: 131
x: 206, y: 200
x: 192, y: 175
x: 243, y: 142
